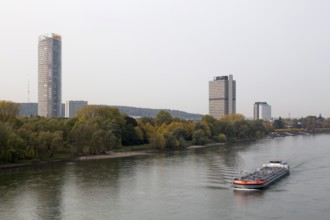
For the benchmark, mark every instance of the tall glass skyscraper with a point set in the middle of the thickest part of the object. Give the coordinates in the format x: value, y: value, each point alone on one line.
x: 222, y: 96
x: 49, y: 75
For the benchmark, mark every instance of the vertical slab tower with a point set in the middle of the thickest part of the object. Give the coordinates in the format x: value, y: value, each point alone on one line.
x: 49, y: 75
x: 222, y: 96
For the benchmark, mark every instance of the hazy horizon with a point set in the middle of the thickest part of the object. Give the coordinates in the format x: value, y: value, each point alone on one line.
x: 162, y: 54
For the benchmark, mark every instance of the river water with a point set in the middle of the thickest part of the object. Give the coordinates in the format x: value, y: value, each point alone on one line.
x: 193, y: 184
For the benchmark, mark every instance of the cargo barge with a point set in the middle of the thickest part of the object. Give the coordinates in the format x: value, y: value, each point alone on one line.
x: 268, y: 174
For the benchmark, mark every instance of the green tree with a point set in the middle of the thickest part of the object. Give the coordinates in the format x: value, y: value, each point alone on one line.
x: 49, y: 143
x: 163, y: 117
x: 4, y: 135
x: 204, y: 127
x: 141, y: 134
x: 157, y: 140
x: 16, y: 146
x: 200, y: 137
x: 211, y: 122
x: 57, y: 142
x: 111, y: 140
x: 279, y: 123
x: 103, y: 141
x: 232, y: 118
x: 222, y: 137
x: 87, y: 112
x: 182, y: 143
x: 170, y: 140
x: 98, y: 143
x: 30, y: 141
x: 145, y: 120
x: 81, y: 135
x: 150, y: 131
x: 8, y: 111
x: 129, y: 136
x: 181, y: 132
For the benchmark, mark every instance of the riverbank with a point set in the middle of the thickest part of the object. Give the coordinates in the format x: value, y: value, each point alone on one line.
x: 297, y: 131
x: 137, y: 151
x: 112, y: 154
x: 132, y: 151
x: 107, y: 155
x: 31, y: 163
x: 144, y: 150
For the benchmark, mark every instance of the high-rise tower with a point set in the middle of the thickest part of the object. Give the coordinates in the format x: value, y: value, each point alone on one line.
x: 222, y: 96
x: 49, y: 75
x: 262, y: 111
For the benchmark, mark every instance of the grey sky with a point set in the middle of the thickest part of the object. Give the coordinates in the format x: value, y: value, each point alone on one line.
x: 162, y: 53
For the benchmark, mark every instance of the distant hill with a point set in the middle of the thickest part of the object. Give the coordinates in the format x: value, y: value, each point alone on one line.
x: 31, y: 109
x: 148, y: 112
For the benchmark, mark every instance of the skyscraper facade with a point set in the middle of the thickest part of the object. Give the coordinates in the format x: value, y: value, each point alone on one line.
x: 262, y: 111
x: 222, y: 96
x: 49, y: 75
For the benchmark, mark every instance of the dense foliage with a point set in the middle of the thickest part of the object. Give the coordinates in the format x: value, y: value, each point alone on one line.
x: 98, y: 129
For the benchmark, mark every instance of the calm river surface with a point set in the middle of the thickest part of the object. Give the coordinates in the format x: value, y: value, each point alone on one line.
x: 194, y: 184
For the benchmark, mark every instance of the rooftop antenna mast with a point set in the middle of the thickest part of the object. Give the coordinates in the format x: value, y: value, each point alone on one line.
x: 28, y: 91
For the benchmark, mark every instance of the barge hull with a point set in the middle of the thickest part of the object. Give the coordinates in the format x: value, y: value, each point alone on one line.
x: 264, y: 177
x: 260, y: 186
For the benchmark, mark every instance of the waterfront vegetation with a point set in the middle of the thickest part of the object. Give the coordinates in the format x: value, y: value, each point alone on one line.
x: 97, y: 130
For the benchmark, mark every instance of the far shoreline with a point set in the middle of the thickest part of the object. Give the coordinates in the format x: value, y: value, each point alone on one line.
x: 135, y: 153
x: 107, y: 155
x: 110, y: 155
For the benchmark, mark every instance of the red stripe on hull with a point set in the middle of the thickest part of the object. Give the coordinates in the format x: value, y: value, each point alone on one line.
x: 240, y: 182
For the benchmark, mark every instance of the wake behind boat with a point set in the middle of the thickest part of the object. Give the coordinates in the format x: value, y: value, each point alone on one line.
x: 269, y: 173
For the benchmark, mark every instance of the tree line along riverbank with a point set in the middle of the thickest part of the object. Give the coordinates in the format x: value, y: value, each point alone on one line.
x: 99, y: 130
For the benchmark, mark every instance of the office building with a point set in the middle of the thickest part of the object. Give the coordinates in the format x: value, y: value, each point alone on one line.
x: 71, y: 108
x: 62, y: 110
x: 49, y: 75
x: 222, y: 96
x: 262, y: 111
x: 28, y: 109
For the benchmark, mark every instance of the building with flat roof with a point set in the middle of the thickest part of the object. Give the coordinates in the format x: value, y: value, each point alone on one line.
x: 262, y: 111
x: 71, y: 107
x: 49, y: 75
x: 28, y: 109
x: 222, y: 96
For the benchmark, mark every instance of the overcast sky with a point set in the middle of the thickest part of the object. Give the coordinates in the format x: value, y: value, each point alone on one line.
x: 162, y: 53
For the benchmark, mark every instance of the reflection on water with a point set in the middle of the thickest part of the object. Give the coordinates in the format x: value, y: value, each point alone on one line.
x: 191, y: 184
x: 247, y: 195
x: 32, y: 193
